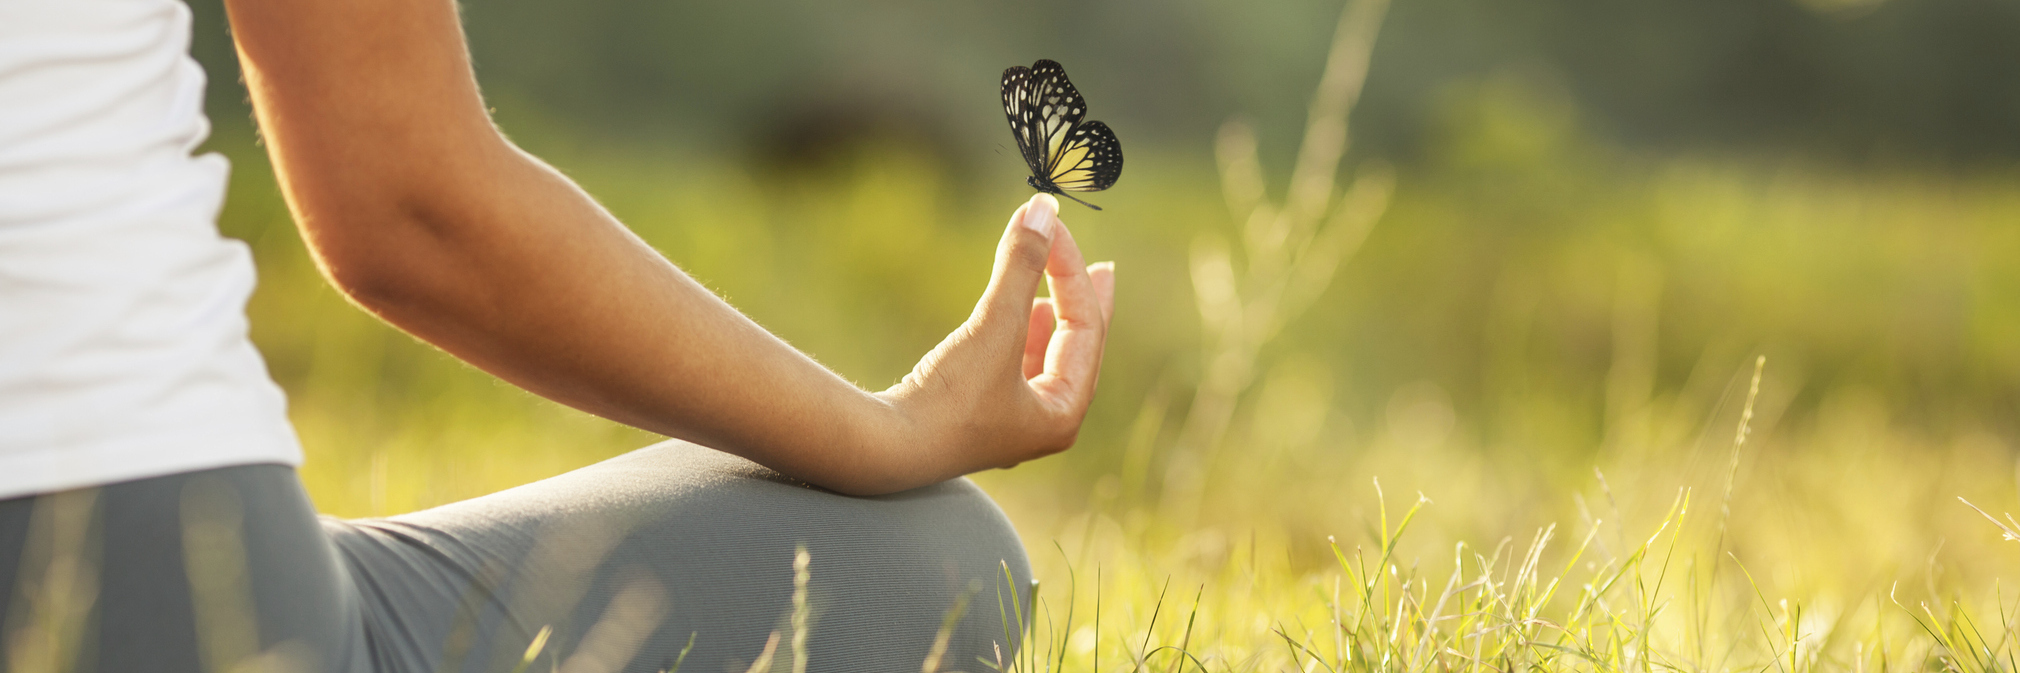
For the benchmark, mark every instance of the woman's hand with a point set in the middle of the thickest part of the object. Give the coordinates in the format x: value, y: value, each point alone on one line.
x: 1014, y: 381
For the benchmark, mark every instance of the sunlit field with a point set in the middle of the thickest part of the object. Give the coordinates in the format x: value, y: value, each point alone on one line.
x: 1535, y: 402
x: 1513, y: 409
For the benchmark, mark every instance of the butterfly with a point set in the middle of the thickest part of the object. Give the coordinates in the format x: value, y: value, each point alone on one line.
x: 1064, y: 154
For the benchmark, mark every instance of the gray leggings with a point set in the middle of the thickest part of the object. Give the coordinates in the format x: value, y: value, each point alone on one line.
x: 625, y: 561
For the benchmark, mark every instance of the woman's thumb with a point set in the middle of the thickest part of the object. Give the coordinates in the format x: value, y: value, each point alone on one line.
x: 1020, y: 261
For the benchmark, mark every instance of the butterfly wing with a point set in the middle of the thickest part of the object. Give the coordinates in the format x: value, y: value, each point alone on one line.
x: 1059, y: 108
x: 1089, y: 160
x: 1019, y: 90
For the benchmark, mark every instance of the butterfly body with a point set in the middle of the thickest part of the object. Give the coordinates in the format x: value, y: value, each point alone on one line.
x: 1043, y: 185
x: 1063, y: 153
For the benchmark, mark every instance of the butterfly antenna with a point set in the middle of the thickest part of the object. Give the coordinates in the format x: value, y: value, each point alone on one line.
x: 1077, y: 199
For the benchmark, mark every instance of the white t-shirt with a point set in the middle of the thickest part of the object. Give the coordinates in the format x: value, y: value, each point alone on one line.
x: 123, y: 348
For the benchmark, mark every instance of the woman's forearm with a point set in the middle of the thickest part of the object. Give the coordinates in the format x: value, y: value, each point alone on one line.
x: 551, y: 293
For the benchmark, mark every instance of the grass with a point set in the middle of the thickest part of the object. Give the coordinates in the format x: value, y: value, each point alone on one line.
x: 1675, y: 599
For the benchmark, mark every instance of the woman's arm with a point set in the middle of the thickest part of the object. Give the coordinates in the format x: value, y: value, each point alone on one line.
x: 417, y: 208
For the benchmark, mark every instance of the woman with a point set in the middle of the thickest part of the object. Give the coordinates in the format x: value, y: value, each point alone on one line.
x: 152, y: 515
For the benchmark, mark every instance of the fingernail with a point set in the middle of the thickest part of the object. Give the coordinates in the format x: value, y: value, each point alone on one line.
x: 1039, y: 214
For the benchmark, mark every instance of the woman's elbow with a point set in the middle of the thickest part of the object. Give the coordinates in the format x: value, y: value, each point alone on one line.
x: 374, y: 286
x: 387, y: 273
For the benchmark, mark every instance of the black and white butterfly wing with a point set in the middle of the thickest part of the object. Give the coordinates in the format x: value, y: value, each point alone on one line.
x: 1089, y: 159
x: 1059, y: 108
x: 1045, y: 114
x: 1019, y: 90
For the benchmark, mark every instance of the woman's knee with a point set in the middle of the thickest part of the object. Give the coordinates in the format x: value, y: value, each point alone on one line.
x: 720, y: 542
x: 727, y: 499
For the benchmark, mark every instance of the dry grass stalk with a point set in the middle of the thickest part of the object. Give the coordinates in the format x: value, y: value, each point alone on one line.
x: 1290, y: 251
x: 630, y: 618
x: 58, y: 585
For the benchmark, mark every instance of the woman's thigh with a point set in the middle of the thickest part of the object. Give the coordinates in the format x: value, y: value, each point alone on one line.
x: 199, y: 571
x: 629, y: 559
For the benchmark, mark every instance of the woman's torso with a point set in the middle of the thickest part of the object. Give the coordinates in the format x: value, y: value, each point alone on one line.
x: 123, y: 348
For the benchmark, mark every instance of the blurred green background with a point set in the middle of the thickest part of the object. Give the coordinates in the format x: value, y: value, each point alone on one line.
x: 1604, y: 211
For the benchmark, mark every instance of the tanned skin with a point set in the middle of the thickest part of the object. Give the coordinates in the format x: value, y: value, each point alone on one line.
x: 420, y: 211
